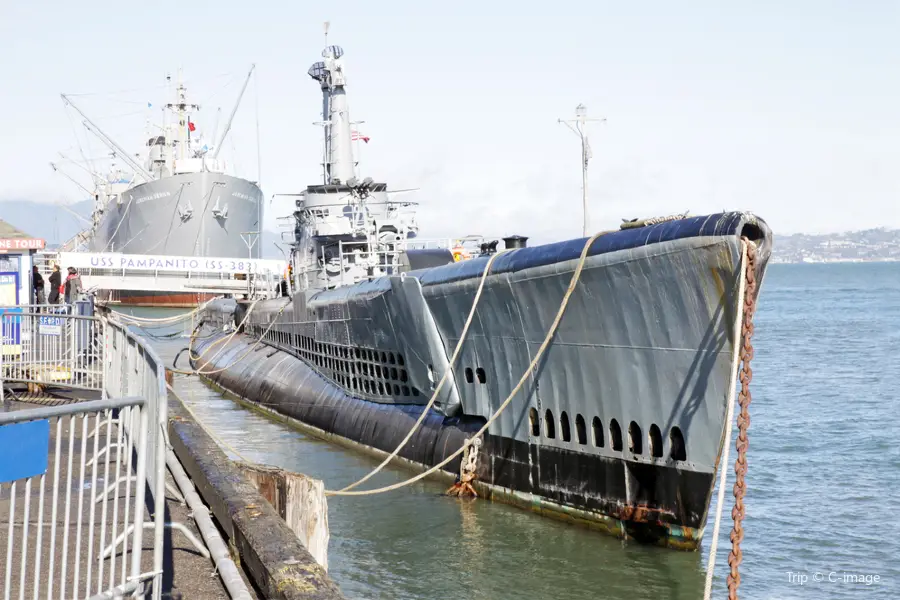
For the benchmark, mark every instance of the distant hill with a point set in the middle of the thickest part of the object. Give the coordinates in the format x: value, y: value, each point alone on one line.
x: 56, y: 224
x: 852, y: 246
x: 48, y: 221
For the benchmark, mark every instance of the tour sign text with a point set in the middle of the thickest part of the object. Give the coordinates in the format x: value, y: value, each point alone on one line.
x: 21, y: 244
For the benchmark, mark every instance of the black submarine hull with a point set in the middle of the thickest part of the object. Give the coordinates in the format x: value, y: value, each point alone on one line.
x: 547, y: 480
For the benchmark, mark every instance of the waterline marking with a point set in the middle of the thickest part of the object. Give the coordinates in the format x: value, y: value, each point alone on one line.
x: 834, y: 577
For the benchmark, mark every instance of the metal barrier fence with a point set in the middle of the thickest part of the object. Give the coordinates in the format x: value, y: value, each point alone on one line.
x: 80, y: 534
x: 52, y: 345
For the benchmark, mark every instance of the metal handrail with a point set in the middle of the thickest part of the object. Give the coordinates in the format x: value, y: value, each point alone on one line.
x: 118, y: 441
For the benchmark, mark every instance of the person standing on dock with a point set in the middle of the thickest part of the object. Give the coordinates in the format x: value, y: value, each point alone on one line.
x: 73, y: 286
x: 55, y: 283
x: 37, y: 283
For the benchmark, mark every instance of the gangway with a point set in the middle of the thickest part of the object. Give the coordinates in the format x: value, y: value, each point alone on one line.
x: 106, y: 273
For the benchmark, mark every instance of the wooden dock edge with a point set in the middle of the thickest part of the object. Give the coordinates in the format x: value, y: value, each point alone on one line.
x: 271, y: 554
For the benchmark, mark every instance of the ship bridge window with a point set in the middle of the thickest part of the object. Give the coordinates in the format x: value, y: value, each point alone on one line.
x: 676, y: 445
x: 481, y: 375
x: 470, y: 377
x: 564, y: 429
x: 635, y: 438
x: 615, y: 435
x: 535, y: 422
x: 580, y: 430
x: 550, y: 424
x: 656, y: 449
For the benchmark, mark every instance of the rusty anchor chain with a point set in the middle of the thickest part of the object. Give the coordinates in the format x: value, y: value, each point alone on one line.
x: 463, y: 487
x: 743, y: 420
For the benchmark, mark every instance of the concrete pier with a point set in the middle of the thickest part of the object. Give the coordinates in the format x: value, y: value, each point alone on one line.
x: 273, y: 556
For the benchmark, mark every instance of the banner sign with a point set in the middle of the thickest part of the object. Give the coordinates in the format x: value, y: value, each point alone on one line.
x: 21, y: 244
x: 26, y: 448
x: 162, y: 262
x: 9, y: 289
x: 50, y: 325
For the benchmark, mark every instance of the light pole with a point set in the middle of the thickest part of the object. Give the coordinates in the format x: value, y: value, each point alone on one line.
x: 578, y: 125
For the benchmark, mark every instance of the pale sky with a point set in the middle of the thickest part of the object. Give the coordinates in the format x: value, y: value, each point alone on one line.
x: 785, y: 109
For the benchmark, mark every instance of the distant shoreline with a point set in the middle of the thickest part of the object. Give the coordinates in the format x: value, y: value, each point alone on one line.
x: 776, y: 261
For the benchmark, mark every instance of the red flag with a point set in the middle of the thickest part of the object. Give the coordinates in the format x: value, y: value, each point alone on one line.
x: 358, y: 136
x: 191, y: 126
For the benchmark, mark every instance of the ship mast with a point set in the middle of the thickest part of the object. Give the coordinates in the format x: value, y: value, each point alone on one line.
x: 234, y: 110
x: 579, y: 126
x: 338, y: 155
x: 182, y: 109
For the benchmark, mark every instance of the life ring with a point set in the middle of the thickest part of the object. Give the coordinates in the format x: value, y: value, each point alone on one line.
x: 459, y: 254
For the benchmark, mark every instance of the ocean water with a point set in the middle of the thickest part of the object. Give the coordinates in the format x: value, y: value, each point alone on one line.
x: 824, y: 471
x: 824, y: 477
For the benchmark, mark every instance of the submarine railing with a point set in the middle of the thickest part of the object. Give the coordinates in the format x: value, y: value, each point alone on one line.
x: 386, y: 262
x: 78, y: 452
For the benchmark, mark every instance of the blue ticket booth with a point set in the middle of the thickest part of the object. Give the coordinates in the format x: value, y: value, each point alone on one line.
x: 17, y: 250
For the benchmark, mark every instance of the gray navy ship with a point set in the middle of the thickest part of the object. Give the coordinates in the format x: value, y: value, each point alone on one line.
x: 621, y: 422
x: 180, y: 203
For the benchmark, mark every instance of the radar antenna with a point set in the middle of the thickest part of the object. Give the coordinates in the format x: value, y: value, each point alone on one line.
x: 579, y: 126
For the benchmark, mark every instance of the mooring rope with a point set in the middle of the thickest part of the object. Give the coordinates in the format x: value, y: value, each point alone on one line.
x: 723, y: 463
x: 229, y: 338
x: 226, y: 339
x: 163, y: 320
x: 540, y: 352
x: 743, y: 425
x: 440, y: 385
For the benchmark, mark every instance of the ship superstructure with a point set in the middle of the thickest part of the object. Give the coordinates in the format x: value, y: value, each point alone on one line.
x: 179, y: 201
x: 346, y: 229
x: 620, y: 422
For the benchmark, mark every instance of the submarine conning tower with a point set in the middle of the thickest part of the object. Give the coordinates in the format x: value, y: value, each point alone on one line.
x: 346, y: 229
